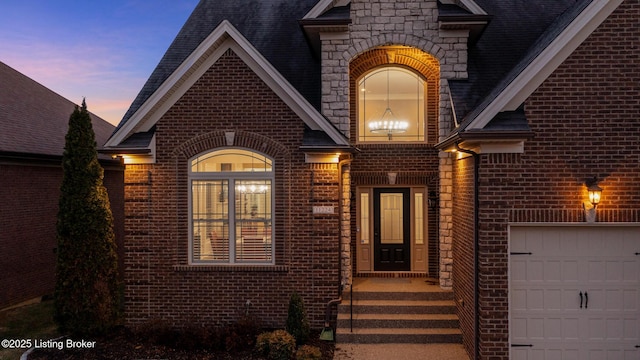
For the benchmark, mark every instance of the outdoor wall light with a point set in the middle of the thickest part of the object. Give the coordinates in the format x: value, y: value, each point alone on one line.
x: 432, y: 200
x: 595, y: 194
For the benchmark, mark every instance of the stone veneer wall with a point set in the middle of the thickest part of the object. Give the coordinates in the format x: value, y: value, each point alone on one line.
x: 377, y: 23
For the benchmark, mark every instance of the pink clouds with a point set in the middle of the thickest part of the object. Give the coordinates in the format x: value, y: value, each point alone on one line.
x: 101, y: 51
x: 76, y: 72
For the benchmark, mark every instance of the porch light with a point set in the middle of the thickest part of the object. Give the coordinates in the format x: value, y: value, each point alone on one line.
x: 595, y: 192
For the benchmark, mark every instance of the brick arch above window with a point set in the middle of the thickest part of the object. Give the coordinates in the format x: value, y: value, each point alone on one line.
x: 282, y: 159
x: 419, y: 45
x: 243, y: 139
x: 416, y: 59
x: 402, y: 56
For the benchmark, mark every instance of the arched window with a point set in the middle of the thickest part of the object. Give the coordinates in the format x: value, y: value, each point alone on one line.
x: 231, y: 203
x: 391, y: 105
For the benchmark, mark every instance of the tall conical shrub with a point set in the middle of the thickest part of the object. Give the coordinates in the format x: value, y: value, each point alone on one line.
x: 297, y: 322
x: 87, y: 299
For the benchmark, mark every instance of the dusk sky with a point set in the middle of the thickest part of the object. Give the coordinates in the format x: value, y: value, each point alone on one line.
x: 103, y: 51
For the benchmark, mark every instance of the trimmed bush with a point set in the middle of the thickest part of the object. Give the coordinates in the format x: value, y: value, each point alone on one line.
x: 308, y: 352
x: 276, y: 345
x: 297, y: 322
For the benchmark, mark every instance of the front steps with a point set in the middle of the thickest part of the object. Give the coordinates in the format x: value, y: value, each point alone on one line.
x: 397, y: 311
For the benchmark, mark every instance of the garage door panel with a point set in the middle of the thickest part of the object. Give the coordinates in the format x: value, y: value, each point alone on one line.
x: 551, y: 268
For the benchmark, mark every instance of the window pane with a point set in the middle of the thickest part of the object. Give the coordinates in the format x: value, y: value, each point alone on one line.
x: 419, y: 204
x: 253, y: 221
x: 391, y: 218
x: 210, y: 212
x: 389, y: 96
x: 231, y: 160
x: 364, y: 218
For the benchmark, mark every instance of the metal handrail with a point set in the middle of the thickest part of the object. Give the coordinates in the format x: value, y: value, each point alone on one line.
x: 351, y: 306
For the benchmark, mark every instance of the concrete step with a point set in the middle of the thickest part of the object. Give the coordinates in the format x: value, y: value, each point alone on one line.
x: 415, y: 321
x: 390, y: 295
x: 398, y: 307
x: 398, y: 335
x: 397, y: 311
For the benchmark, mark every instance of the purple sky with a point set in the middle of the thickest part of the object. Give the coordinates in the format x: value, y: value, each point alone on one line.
x: 103, y: 50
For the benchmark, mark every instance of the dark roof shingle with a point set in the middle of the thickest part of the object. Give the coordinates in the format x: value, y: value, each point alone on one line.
x: 34, y: 119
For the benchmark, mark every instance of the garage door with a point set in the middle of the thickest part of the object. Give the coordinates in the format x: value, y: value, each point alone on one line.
x: 575, y: 292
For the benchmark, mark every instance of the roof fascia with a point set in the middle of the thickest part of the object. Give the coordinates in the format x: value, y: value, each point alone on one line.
x: 543, y: 65
x: 224, y: 37
x: 473, y: 7
x: 469, y: 5
x: 323, y: 6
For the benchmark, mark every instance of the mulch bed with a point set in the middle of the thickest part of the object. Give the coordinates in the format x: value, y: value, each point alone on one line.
x: 125, y: 345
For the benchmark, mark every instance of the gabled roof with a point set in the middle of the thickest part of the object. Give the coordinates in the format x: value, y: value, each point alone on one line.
x: 265, y: 35
x: 34, y: 120
x: 515, y: 54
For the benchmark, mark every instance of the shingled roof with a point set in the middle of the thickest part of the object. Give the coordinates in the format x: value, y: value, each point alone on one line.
x: 516, y: 33
x: 513, y: 35
x: 34, y: 120
x: 270, y: 26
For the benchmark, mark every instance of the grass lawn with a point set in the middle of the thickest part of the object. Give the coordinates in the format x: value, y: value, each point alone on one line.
x: 28, y: 322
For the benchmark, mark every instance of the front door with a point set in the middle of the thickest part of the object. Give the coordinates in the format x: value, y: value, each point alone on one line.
x: 391, y: 229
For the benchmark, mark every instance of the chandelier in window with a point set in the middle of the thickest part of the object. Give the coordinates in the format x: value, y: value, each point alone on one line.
x: 252, y: 189
x: 388, y: 124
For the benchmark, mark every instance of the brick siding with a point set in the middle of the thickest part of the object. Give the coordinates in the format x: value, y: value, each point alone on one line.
x: 160, y: 283
x: 585, y: 120
x: 30, y: 192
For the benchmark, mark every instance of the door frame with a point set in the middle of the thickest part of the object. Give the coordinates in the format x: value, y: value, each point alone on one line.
x: 364, y: 255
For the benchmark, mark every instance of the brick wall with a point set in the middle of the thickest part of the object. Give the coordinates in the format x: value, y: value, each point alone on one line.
x: 160, y: 283
x: 29, y: 208
x: 463, y: 274
x: 585, y: 120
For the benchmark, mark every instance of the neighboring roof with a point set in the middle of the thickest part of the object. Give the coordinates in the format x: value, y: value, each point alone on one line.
x: 34, y: 119
x: 270, y: 26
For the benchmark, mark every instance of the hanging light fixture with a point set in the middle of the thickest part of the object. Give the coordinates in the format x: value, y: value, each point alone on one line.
x: 388, y: 123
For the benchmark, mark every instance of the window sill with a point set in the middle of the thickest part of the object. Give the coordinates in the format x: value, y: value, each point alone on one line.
x: 231, y: 268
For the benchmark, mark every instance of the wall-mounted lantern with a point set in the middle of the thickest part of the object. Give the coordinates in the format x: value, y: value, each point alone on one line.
x: 432, y: 200
x: 595, y: 194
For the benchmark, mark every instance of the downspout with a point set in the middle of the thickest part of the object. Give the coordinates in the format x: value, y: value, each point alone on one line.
x: 476, y: 240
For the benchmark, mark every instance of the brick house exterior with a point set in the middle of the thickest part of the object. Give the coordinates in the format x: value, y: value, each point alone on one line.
x: 525, y: 104
x: 34, y: 123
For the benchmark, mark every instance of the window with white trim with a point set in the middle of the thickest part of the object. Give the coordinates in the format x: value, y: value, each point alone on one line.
x: 231, y: 207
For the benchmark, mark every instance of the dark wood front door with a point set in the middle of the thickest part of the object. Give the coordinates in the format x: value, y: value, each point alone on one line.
x: 391, y: 229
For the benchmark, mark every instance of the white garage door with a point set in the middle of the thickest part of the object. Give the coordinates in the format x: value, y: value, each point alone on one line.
x: 575, y: 292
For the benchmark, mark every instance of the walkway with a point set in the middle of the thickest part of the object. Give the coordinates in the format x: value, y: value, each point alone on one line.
x: 400, y: 352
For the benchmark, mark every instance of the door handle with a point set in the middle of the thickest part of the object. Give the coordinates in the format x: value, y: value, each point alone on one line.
x: 580, y: 299
x: 586, y: 300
